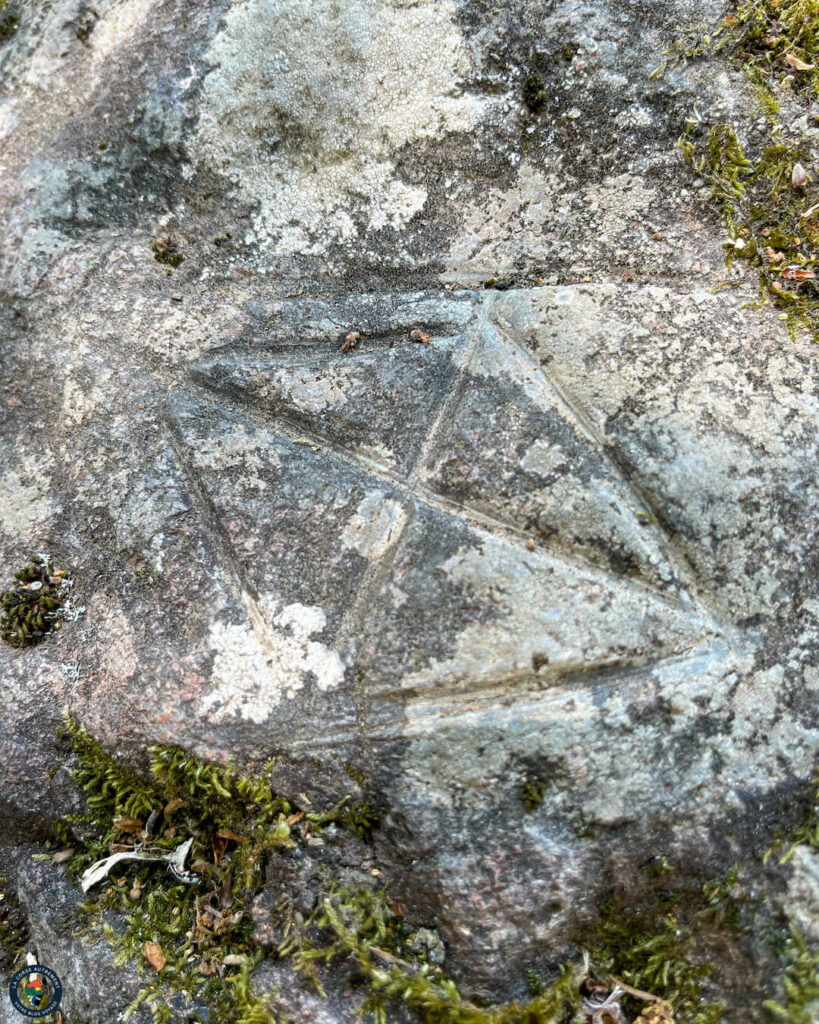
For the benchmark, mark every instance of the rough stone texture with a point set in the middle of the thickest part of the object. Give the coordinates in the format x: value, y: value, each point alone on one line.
x: 572, y: 536
x: 95, y: 990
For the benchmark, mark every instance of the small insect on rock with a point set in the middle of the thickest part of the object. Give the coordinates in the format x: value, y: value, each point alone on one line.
x: 351, y: 341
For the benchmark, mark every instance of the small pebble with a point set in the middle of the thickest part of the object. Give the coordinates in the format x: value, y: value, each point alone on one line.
x: 799, y: 177
x: 176, y: 297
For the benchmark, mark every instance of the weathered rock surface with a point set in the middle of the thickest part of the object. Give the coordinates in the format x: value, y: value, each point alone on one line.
x: 573, y: 536
x: 95, y: 989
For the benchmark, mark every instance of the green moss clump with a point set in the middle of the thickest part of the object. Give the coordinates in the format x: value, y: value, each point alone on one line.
x: 778, y: 36
x: 166, y: 251
x: 235, y: 820
x: 361, y: 818
x: 770, y: 205
x: 534, y: 92
x: 13, y: 930
x: 648, y: 949
x: 31, y: 609
x: 85, y: 24
x: 356, y: 926
x: 657, y: 943
x: 9, y: 22
x: 532, y: 790
x: 204, y: 931
x: 801, y: 982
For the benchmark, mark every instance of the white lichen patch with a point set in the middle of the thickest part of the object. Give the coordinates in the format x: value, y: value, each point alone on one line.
x: 118, y: 24
x: 543, y: 458
x: 237, y: 450
x: 376, y: 524
x: 308, y: 391
x: 115, y: 653
x: 310, y: 100
x: 526, y: 221
x: 24, y: 501
x: 257, y: 666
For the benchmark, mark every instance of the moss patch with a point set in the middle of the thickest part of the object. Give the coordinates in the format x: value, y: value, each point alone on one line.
x: 534, y: 91
x: 356, y: 927
x: 13, y: 930
x: 652, y: 945
x: 197, y: 940
x: 188, y: 939
x: 166, y: 251
x: 32, y: 607
x: 531, y: 791
x: 762, y: 180
x: 9, y: 21
x: 801, y: 982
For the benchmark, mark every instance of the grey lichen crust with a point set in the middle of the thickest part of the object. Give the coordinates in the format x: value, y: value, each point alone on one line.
x: 571, y: 539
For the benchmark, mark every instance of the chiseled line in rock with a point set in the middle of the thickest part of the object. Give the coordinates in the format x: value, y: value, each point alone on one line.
x: 288, y: 353
x: 211, y: 522
x: 380, y: 568
x: 487, y: 699
x: 601, y: 673
x: 447, y: 411
x: 584, y: 422
x: 496, y: 528
x: 396, y: 322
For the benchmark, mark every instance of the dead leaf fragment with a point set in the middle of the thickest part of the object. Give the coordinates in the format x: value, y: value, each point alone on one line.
x: 154, y: 955
x: 799, y: 176
x: 798, y: 274
x: 773, y: 255
x: 126, y: 824
x: 797, y: 64
x: 226, y: 833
